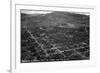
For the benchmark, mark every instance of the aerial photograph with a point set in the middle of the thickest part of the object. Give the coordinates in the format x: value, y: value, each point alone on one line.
x: 49, y: 36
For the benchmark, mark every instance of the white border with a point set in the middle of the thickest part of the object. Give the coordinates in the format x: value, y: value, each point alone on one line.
x: 17, y: 66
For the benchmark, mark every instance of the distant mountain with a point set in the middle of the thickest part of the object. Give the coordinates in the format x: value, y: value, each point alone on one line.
x: 68, y: 19
x: 59, y: 19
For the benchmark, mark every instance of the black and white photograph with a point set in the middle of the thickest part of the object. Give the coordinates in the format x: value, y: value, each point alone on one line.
x: 49, y: 36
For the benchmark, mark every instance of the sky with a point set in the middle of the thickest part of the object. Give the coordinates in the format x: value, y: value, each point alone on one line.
x: 35, y: 12
x: 45, y: 12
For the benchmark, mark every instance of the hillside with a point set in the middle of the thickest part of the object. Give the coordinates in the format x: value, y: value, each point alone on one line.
x: 55, y: 19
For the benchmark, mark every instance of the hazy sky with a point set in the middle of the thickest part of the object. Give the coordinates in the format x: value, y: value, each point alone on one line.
x: 45, y: 12
x: 35, y: 12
